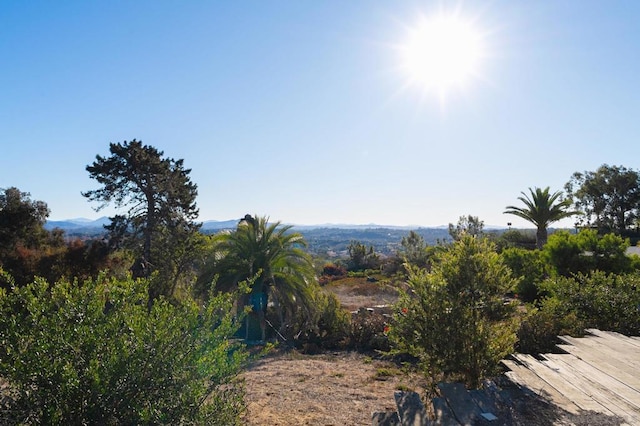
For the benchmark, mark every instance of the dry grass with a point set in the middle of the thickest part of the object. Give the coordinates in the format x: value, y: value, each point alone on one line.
x: 287, y: 388
x: 338, y: 388
x: 355, y: 293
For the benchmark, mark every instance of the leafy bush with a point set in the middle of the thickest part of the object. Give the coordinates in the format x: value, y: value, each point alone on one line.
x: 598, y: 300
x: 96, y: 353
x: 540, y: 328
x: 453, y: 318
x: 330, y: 327
x: 587, y: 251
x: 530, y: 267
x: 331, y: 272
x: 369, y: 331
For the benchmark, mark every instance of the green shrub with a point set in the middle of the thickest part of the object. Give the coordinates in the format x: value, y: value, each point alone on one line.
x: 597, y: 300
x: 530, y: 267
x: 96, y: 353
x: 540, y: 328
x: 600, y: 300
x: 329, y: 329
x: 369, y: 331
x: 570, y: 254
x: 453, y: 318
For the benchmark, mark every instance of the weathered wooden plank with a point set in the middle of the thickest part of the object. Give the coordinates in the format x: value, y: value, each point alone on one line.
x: 621, y: 355
x: 601, y: 378
x: 527, y: 379
x: 619, y: 371
x: 584, y: 379
x: 385, y: 418
x: 461, y: 403
x: 615, y: 392
x: 607, y: 349
x: 485, y: 402
x: 618, y: 338
x: 444, y: 415
x: 614, y: 345
x: 411, y: 409
x: 575, y: 394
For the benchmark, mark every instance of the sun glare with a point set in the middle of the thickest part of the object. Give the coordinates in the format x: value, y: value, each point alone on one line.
x: 442, y: 53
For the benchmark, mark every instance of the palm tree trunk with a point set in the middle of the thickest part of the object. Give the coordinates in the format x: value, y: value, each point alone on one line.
x: 541, y: 237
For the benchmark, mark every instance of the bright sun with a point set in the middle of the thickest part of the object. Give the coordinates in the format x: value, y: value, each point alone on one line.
x: 442, y: 52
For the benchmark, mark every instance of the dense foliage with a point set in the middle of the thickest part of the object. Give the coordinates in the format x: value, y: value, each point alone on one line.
x: 597, y: 300
x: 569, y: 254
x: 453, y: 318
x: 21, y: 219
x: 361, y: 257
x: 112, y: 350
x: 609, y: 197
x: 531, y: 268
x: 28, y: 250
x: 96, y: 354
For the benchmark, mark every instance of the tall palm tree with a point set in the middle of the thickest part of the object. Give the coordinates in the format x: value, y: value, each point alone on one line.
x: 273, y: 257
x: 542, y: 209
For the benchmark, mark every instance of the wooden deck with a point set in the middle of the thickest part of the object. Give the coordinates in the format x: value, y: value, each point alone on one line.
x: 596, y: 381
x: 600, y: 373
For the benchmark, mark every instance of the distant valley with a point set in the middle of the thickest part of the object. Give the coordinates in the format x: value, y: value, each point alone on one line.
x: 326, y: 238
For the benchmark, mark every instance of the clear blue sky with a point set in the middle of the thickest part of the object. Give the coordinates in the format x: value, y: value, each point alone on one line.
x: 301, y: 111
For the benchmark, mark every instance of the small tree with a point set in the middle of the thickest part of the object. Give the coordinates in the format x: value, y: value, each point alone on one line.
x: 467, y: 225
x: 21, y: 220
x: 453, y: 318
x: 361, y: 257
x: 27, y: 249
x: 413, y: 250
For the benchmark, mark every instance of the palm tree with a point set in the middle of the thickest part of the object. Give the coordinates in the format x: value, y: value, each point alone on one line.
x: 542, y: 209
x: 272, y: 258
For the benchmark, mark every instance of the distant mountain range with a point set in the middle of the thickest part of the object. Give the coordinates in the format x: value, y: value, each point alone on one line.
x: 77, y: 224
x: 82, y: 225
x: 324, y: 238
x: 88, y: 226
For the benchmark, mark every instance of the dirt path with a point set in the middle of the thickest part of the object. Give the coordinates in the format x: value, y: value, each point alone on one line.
x: 338, y: 389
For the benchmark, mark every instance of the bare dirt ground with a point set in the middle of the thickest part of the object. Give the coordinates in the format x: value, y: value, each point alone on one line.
x: 344, y: 389
x: 340, y: 388
x: 335, y: 388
